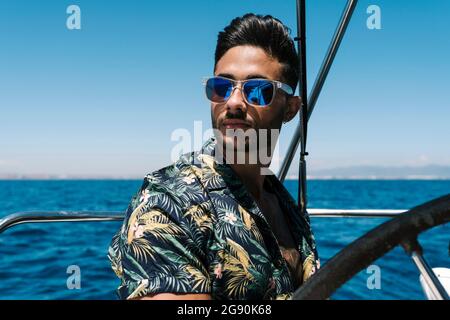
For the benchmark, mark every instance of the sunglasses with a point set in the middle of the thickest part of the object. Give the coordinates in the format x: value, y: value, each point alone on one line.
x: 256, y: 92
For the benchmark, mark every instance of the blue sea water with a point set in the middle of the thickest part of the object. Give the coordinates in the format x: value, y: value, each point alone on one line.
x: 34, y: 258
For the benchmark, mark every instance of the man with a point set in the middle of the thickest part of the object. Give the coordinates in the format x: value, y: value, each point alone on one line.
x: 211, y: 227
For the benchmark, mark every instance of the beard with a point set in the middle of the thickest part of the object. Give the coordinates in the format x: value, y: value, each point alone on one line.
x: 246, y: 147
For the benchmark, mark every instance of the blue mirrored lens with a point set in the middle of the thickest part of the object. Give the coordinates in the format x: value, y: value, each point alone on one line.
x: 258, y: 92
x: 218, y: 89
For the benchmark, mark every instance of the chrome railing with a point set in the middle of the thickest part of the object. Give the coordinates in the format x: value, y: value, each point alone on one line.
x: 354, y: 213
x: 57, y: 216
x: 99, y: 216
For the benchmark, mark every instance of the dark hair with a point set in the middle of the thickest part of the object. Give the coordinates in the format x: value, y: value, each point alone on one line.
x: 265, y: 32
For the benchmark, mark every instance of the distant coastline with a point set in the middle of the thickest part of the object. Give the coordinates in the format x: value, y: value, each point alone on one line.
x: 429, y: 172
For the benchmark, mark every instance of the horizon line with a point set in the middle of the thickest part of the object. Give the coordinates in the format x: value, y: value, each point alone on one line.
x: 290, y: 178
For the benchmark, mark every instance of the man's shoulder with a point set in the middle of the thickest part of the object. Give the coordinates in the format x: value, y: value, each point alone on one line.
x: 180, y: 172
x: 173, y: 190
x: 177, y: 183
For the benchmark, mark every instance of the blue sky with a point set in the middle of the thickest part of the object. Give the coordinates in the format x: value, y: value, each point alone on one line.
x: 99, y: 101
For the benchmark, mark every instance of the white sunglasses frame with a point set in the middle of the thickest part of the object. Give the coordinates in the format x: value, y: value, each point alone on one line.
x: 239, y: 84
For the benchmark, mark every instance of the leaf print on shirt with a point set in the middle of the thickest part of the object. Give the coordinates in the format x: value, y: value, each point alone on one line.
x: 199, y: 216
x: 155, y: 222
x: 250, y: 224
x: 236, y: 263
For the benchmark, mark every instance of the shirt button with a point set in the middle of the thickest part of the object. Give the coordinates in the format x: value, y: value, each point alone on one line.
x: 278, y: 264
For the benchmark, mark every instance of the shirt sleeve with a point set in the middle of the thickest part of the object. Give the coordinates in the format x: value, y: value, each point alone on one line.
x: 159, y: 249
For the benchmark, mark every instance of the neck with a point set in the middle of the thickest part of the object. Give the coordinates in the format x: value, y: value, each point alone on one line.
x: 250, y: 175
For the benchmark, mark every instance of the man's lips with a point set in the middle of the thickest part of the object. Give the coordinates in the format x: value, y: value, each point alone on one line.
x: 235, y: 124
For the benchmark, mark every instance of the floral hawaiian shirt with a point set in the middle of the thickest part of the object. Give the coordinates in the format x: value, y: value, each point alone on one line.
x: 194, y: 228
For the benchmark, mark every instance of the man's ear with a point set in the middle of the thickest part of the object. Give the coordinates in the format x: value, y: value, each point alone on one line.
x: 293, y: 105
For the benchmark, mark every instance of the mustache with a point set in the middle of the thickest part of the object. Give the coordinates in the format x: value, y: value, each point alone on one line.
x: 239, y: 115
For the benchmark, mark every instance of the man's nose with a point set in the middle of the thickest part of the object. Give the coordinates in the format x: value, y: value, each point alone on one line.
x: 236, y: 102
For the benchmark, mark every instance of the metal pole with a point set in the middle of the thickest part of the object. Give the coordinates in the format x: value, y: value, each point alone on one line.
x: 301, y: 44
x: 430, y: 278
x: 318, y: 84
